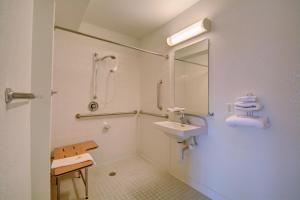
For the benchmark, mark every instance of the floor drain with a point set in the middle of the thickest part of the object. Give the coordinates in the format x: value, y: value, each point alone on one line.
x: 112, y: 173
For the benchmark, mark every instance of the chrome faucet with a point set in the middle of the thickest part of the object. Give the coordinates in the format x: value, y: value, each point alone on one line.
x: 183, y: 119
x: 181, y: 116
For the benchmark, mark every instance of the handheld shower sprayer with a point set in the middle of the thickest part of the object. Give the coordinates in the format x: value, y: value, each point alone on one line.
x: 112, y: 70
x: 97, y: 62
x: 96, y: 59
x: 95, y: 72
x: 115, y: 67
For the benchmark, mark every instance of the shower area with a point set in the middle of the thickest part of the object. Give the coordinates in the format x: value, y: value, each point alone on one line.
x: 112, y: 93
x: 94, y: 77
x: 110, y: 87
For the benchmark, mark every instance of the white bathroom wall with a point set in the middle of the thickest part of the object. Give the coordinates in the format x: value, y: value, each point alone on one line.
x: 254, y: 47
x: 107, y: 34
x: 152, y: 144
x: 72, y: 75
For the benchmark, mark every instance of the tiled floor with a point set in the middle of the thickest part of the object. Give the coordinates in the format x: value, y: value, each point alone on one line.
x: 135, y: 179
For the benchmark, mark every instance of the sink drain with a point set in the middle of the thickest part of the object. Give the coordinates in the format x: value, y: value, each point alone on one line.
x: 112, y: 173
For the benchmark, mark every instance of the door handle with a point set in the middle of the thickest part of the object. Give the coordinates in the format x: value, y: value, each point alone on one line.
x: 11, y: 95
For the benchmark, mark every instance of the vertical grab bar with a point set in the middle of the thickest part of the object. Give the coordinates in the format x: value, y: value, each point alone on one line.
x: 158, y: 93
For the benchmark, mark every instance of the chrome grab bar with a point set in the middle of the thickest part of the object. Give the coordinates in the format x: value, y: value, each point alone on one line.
x: 199, y: 116
x: 10, y: 95
x: 158, y: 91
x: 78, y: 116
x: 154, y: 114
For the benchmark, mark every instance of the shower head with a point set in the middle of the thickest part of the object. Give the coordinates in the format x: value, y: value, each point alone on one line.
x: 115, y: 68
x: 96, y: 59
x: 109, y: 56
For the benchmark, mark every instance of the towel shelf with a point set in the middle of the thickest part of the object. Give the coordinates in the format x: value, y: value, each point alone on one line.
x: 244, y: 108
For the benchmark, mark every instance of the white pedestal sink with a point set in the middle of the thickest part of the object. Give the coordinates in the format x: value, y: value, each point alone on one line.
x: 178, y: 130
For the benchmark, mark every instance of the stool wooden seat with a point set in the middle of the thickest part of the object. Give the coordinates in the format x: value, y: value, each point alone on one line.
x: 68, y: 151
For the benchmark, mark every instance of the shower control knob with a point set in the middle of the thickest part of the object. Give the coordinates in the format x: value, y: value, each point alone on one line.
x: 93, y: 106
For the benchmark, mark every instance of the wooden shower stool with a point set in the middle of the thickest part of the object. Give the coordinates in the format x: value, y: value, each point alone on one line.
x: 68, y: 151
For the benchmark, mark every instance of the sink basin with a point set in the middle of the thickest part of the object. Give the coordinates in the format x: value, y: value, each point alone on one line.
x: 178, y: 130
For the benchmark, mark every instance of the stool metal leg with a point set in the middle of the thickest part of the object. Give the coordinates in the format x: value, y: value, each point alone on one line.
x: 77, y: 174
x: 86, y: 183
x: 58, y: 188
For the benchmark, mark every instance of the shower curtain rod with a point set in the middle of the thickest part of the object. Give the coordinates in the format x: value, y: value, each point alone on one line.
x: 109, y: 41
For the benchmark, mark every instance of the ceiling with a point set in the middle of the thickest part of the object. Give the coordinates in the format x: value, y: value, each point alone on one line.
x: 135, y: 18
x: 69, y: 13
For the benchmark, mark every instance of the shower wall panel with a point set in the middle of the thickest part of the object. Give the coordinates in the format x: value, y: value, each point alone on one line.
x: 117, y: 92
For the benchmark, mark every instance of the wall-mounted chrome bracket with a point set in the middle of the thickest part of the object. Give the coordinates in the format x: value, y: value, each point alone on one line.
x: 11, y: 95
x: 53, y: 92
x: 211, y: 114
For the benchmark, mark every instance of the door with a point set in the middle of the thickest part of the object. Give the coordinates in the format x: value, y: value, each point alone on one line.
x: 26, y: 36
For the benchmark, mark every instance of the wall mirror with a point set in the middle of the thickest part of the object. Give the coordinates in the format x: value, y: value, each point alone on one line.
x: 191, y: 78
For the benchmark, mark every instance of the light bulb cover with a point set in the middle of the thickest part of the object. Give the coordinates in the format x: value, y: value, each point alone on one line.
x: 191, y: 31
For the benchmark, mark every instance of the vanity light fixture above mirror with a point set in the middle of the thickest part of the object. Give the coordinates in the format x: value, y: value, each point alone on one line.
x: 191, y: 31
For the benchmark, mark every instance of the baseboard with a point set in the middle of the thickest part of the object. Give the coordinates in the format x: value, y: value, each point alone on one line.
x: 204, y: 189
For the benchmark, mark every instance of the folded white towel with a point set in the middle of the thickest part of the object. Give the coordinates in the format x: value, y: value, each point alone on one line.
x: 259, y: 122
x: 245, y: 104
x: 250, y: 98
x: 248, y: 107
x: 72, y: 160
